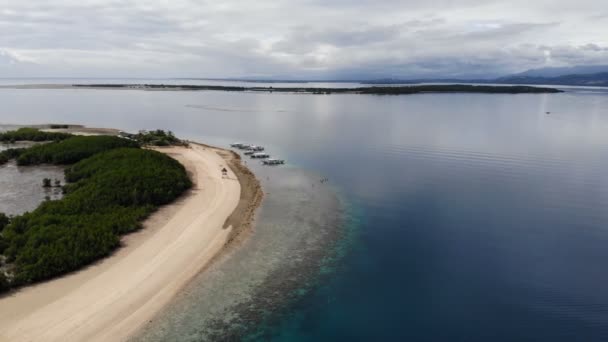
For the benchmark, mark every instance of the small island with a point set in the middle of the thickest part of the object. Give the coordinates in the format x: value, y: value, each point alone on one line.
x: 141, y: 215
x: 376, y: 90
x: 113, y: 184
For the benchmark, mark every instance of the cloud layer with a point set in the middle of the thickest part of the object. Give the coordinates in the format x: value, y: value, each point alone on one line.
x: 347, y: 39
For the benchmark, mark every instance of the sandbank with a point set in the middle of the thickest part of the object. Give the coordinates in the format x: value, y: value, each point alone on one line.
x: 112, y: 299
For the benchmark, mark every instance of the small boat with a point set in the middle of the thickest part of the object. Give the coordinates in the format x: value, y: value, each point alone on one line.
x: 260, y: 155
x: 249, y: 152
x: 241, y: 146
x: 257, y: 148
x: 272, y: 161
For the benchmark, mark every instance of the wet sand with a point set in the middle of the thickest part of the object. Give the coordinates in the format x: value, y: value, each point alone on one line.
x: 299, y: 234
x: 112, y: 299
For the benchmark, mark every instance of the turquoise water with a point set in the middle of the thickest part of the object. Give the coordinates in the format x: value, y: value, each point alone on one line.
x: 476, y: 217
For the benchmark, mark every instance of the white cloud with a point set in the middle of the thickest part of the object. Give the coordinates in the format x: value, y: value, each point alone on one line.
x: 298, y: 38
x: 6, y: 58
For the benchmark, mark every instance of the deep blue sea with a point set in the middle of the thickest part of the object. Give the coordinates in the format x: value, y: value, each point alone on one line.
x: 479, y: 217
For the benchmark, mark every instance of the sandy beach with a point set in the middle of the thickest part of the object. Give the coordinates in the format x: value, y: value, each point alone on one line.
x: 113, y: 298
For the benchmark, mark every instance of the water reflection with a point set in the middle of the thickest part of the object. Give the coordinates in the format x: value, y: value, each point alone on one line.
x: 484, y: 216
x: 21, y: 188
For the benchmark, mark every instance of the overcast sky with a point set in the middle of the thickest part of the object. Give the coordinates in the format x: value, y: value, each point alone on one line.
x: 318, y: 39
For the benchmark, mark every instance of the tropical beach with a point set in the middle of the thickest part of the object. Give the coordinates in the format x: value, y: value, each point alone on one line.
x: 477, y: 213
x: 113, y: 298
x: 296, y: 171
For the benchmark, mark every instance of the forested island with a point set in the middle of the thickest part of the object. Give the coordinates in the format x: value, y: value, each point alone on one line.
x: 379, y: 90
x: 113, y: 184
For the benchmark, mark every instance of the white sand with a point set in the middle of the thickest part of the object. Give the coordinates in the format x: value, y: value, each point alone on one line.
x: 110, y: 300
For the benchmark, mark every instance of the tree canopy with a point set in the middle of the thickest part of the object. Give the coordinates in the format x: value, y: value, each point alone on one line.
x: 71, y: 150
x: 32, y: 134
x: 112, y: 186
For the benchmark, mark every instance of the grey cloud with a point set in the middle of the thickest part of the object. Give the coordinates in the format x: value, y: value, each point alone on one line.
x: 297, y: 38
x: 593, y: 47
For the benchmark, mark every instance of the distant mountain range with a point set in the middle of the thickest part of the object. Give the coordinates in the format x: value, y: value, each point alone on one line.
x: 596, y: 79
x: 587, y: 75
x: 596, y: 76
x: 573, y: 70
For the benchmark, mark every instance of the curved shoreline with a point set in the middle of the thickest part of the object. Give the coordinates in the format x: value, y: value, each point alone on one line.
x: 299, y: 231
x: 112, y: 299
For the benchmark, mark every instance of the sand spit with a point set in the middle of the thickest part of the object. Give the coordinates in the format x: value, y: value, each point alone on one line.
x: 112, y: 299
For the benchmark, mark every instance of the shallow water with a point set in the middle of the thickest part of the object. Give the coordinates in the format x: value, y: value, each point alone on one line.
x: 478, y: 217
x: 21, y: 187
x: 280, y: 262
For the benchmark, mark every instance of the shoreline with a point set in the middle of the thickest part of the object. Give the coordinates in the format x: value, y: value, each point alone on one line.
x: 182, y: 239
x: 297, y: 242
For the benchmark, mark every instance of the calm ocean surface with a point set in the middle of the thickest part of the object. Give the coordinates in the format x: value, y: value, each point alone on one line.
x: 481, y: 217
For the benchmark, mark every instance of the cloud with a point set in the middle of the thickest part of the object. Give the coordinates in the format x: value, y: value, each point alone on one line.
x: 7, y: 58
x: 297, y: 38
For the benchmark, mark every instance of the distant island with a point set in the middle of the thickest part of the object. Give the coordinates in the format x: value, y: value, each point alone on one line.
x: 379, y: 90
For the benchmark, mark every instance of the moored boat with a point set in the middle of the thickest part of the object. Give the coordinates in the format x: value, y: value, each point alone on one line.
x: 272, y: 161
x: 260, y: 155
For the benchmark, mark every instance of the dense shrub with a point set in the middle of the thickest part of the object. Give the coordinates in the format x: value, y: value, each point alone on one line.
x: 4, y: 220
x: 32, y: 134
x: 4, y: 284
x: 156, y: 138
x: 9, y: 154
x: 71, y: 150
x: 109, y: 194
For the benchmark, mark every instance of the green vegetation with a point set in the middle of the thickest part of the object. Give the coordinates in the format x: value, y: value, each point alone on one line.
x: 56, y: 126
x: 111, y: 188
x: 454, y: 88
x: 156, y: 138
x: 4, y: 221
x: 26, y: 134
x: 9, y: 154
x: 4, y: 283
x: 71, y: 150
x: 32, y: 134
